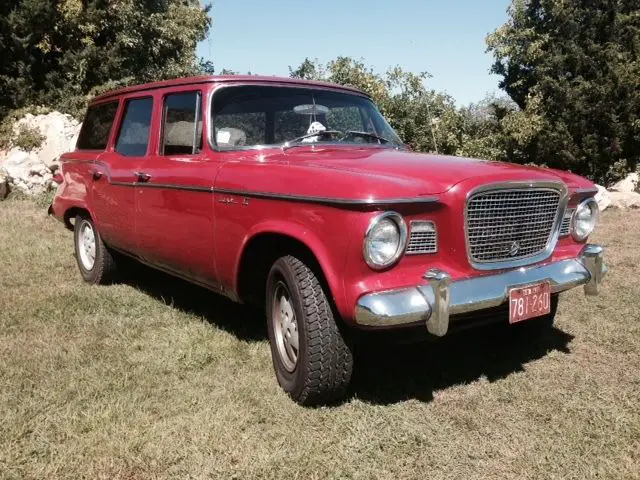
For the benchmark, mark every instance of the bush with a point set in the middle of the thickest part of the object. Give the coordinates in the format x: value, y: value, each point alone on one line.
x: 28, y: 138
x: 7, y: 134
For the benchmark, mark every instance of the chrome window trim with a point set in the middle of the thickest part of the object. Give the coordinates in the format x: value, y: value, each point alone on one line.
x: 435, y: 231
x: 213, y: 144
x: 402, y: 227
x: 518, y: 186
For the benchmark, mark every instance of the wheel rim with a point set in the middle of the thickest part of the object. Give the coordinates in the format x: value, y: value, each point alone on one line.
x: 87, y: 245
x: 285, y: 327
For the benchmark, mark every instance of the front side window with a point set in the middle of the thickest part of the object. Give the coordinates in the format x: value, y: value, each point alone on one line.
x: 182, y: 124
x: 134, y: 131
x: 249, y: 116
x: 94, y: 133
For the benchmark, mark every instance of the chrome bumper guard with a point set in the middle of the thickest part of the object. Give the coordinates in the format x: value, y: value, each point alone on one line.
x: 434, y: 302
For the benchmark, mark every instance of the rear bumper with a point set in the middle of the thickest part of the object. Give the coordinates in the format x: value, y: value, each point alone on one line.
x: 439, y: 297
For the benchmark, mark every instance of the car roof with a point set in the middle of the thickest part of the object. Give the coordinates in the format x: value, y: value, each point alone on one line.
x: 240, y: 79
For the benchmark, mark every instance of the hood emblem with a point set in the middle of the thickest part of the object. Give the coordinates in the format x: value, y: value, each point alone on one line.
x: 514, y: 248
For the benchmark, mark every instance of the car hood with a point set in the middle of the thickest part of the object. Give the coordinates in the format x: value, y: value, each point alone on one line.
x: 381, y: 172
x: 436, y: 173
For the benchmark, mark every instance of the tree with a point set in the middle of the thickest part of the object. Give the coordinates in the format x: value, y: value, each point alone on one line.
x: 426, y: 120
x: 56, y: 52
x: 573, y: 69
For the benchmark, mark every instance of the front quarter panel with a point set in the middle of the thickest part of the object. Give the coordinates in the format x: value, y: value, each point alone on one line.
x: 322, y: 229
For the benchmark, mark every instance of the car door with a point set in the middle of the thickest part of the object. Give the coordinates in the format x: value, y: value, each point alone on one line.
x: 114, y: 174
x: 175, y: 222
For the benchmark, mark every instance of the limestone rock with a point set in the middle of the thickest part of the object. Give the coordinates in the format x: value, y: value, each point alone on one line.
x: 59, y: 130
x: 4, y: 185
x: 26, y: 172
x: 603, y: 198
x: 625, y: 199
x: 628, y: 184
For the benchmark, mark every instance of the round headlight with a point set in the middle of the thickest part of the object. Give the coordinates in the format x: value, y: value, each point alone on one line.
x: 584, y: 219
x: 385, y: 240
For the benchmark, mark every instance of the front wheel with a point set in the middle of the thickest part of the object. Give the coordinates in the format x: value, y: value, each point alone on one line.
x: 312, y: 360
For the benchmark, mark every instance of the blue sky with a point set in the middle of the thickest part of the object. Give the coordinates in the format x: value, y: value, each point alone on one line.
x: 443, y: 37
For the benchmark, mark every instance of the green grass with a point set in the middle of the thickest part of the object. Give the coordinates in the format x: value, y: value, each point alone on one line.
x: 154, y: 378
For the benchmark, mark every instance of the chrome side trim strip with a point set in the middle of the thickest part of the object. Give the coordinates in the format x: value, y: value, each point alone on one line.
x: 285, y: 197
x: 585, y: 190
x: 328, y: 200
x: 169, y: 186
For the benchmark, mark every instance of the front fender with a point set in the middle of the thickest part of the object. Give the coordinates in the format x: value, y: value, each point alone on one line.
x: 330, y: 256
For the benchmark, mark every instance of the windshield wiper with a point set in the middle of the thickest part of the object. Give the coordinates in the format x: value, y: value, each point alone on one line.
x: 321, y: 133
x: 358, y: 133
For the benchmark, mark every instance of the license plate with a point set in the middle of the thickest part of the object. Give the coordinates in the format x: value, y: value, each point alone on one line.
x: 529, y: 302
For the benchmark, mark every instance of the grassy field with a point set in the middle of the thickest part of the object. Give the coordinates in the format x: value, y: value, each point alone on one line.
x: 154, y: 378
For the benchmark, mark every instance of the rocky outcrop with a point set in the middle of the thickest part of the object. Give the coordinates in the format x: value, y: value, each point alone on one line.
x: 31, y: 171
x: 603, y: 198
x: 60, y: 133
x: 4, y: 186
x: 628, y: 184
x: 625, y: 193
x: 625, y: 199
x: 25, y: 172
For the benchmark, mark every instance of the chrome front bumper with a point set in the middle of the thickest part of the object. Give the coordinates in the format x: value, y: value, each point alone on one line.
x: 440, y: 297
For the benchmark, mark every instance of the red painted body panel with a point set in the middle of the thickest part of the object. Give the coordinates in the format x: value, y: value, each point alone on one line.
x: 197, y: 213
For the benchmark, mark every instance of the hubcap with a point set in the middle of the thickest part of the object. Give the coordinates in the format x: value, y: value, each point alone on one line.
x: 285, y: 327
x: 87, y: 245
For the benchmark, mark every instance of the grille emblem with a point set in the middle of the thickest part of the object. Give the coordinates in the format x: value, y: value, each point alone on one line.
x: 514, y: 249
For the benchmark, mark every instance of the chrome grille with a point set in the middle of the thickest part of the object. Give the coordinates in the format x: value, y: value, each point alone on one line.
x: 566, y: 222
x: 510, y: 224
x: 422, y: 239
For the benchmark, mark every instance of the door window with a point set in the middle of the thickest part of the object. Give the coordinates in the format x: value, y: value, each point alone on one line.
x: 182, y: 124
x: 134, y: 131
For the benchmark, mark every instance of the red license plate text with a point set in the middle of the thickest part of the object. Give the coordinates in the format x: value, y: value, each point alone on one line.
x: 529, y: 302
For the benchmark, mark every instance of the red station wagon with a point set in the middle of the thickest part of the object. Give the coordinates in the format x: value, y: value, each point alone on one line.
x: 298, y: 196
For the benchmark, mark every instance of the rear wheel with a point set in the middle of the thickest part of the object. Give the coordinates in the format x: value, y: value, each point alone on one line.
x: 95, y: 261
x: 312, y: 360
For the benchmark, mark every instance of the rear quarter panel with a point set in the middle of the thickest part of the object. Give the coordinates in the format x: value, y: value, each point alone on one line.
x: 74, y: 191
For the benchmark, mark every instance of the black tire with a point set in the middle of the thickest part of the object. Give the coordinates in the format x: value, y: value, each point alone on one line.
x: 104, y: 269
x: 324, y: 363
x: 539, y: 325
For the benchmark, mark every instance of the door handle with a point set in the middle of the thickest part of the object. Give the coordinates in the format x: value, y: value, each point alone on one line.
x: 97, y: 174
x: 142, y: 176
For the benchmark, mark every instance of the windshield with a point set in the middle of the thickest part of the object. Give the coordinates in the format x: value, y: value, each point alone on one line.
x: 251, y: 116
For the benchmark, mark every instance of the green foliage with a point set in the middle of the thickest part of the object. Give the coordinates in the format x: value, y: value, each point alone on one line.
x: 28, y: 138
x: 573, y: 69
x: 7, y: 134
x: 57, y: 52
x: 424, y: 119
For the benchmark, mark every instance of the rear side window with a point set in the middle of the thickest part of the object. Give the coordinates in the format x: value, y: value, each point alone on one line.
x: 134, y: 131
x: 182, y: 126
x: 94, y: 133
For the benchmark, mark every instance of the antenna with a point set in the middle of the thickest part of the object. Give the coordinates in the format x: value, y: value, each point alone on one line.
x: 431, y: 125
